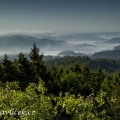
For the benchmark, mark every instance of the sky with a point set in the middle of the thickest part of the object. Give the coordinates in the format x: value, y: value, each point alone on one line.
x: 60, y: 16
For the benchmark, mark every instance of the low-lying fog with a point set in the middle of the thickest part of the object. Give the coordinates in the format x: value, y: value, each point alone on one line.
x: 52, y: 43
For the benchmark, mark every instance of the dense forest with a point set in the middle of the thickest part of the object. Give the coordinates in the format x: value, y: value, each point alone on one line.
x: 107, y: 65
x: 69, y: 88
x: 109, y: 54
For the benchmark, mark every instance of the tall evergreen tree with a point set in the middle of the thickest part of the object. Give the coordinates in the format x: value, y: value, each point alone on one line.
x: 34, y: 54
x: 5, y: 60
x: 86, y: 80
x: 25, y: 71
x: 8, y: 69
x: 38, y: 63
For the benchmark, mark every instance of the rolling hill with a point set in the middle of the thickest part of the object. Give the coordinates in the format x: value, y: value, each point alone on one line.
x: 24, y: 42
x: 112, y: 54
x: 117, y: 47
x: 70, y: 53
x: 112, y: 41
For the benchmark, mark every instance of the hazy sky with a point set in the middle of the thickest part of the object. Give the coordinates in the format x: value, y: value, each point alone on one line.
x: 60, y: 15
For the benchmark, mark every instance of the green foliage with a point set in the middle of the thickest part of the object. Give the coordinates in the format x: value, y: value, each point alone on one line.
x: 34, y: 106
x: 29, y: 90
x: 82, y: 109
x: 70, y: 83
x: 108, y: 65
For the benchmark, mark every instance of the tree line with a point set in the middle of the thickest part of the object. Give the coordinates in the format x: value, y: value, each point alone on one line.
x: 75, y: 91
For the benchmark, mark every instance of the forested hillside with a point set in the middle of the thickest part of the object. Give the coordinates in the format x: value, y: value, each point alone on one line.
x: 117, y: 47
x: 59, y: 89
x: 111, y: 54
x: 108, y: 65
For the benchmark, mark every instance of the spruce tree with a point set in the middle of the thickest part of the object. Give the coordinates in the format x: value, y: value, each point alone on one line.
x: 25, y: 72
x: 37, y: 63
x: 86, y: 80
x: 8, y: 69
x: 5, y: 61
x: 34, y: 54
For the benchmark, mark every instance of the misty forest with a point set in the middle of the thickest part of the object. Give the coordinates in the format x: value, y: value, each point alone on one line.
x: 63, y: 88
x: 59, y: 59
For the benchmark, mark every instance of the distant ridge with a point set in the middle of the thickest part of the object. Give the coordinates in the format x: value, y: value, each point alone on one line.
x: 70, y: 53
x: 113, y: 40
x: 24, y: 42
x: 117, y: 47
x: 112, y: 54
x: 12, y: 57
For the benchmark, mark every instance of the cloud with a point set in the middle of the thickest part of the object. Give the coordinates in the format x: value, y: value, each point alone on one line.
x: 75, y: 42
x: 25, y: 32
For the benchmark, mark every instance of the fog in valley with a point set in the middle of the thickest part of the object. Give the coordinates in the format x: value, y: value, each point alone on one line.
x: 53, y: 43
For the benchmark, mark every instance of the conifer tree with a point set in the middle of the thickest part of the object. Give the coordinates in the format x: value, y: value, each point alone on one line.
x: 5, y: 60
x: 34, y: 54
x: 86, y: 80
x: 25, y: 72
x: 38, y: 63
x: 8, y: 69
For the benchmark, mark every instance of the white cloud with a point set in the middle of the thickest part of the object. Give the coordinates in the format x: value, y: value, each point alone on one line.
x: 25, y: 32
